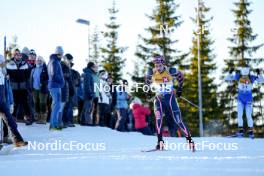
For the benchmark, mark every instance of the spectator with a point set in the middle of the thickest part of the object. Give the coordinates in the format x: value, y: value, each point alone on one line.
x: 19, y: 73
x: 104, y: 108
x: 113, y: 102
x: 80, y: 99
x: 139, y: 113
x: 56, y: 82
x: 5, y: 108
x: 88, y: 93
x: 76, y: 78
x: 39, y: 81
x: 67, y: 92
x: 25, y: 53
x: 95, y: 99
x: 31, y: 60
x: 122, y: 98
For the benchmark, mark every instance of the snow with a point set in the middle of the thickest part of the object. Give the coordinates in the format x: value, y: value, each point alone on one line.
x: 118, y: 153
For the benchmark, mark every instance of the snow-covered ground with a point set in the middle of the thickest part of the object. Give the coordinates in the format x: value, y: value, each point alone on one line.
x: 108, y: 152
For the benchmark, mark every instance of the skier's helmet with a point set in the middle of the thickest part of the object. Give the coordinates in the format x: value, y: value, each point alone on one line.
x: 159, y: 60
x: 245, y: 71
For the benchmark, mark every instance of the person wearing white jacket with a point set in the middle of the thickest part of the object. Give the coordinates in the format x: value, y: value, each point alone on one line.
x: 104, y: 101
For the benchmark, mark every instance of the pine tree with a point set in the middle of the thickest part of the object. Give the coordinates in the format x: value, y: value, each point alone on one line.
x: 113, y: 62
x: 208, y: 66
x: 95, y: 41
x: 241, y: 54
x: 12, y: 45
x: 159, y: 41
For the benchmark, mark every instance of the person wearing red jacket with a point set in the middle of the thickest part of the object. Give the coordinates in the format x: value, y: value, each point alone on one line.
x: 139, y: 113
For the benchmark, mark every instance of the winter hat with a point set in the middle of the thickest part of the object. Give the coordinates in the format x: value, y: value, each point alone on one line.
x: 59, y: 50
x: 26, y: 51
x: 137, y: 101
x: 32, y: 52
x: 69, y: 57
x: 40, y: 58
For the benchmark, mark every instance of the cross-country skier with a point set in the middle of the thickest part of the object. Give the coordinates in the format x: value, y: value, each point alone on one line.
x: 245, y: 98
x: 162, y: 79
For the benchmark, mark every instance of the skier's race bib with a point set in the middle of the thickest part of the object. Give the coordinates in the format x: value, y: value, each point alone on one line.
x: 245, y: 84
x: 162, y: 82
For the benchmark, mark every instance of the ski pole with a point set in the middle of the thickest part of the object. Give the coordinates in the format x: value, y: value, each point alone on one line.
x: 188, y: 101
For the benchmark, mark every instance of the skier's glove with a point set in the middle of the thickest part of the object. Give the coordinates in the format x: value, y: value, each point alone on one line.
x: 258, y: 71
x: 179, y: 92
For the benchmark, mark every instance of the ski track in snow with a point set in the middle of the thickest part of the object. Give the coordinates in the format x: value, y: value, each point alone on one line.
x: 123, y: 155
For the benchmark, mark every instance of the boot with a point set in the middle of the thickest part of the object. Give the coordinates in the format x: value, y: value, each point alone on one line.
x: 191, y: 143
x: 240, y: 132
x: 21, y: 143
x: 160, y: 145
x: 37, y: 116
x: 251, y: 133
x: 29, y: 120
x: 42, y: 118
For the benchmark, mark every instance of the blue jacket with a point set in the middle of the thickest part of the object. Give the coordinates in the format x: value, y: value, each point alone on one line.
x: 56, y: 79
x: 43, y: 79
x: 121, y: 99
x: 88, y: 84
x: 8, y: 93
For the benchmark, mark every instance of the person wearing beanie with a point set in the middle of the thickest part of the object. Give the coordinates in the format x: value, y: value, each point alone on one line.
x: 59, y: 51
x: 19, y: 73
x: 88, y: 94
x: 71, y: 105
x: 5, y: 109
x: 55, y: 83
x: 38, y: 82
x: 67, y: 92
x: 105, y: 98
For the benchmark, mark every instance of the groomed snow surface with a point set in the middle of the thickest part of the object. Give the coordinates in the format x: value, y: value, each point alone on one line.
x: 97, y: 151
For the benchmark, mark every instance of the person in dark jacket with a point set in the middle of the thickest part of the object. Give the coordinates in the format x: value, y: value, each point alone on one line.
x: 71, y: 105
x: 39, y: 80
x: 88, y: 93
x: 67, y: 92
x: 5, y: 108
x: 31, y: 60
x: 19, y: 73
x: 56, y: 82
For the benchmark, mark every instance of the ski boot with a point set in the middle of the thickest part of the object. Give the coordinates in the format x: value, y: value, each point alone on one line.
x: 251, y: 133
x: 21, y: 144
x: 191, y: 143
x: 160, y: 145
x: 240, y: 132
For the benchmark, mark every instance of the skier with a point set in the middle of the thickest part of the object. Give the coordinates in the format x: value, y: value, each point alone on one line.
x: 245, y: 98
x: 162, y: 79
